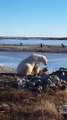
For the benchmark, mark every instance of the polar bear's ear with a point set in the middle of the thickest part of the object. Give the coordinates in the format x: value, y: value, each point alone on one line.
x: 35, y: 56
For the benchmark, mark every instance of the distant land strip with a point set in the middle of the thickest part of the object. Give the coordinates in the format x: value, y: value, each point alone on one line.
x: 30, y: 38
x: 33, y: 48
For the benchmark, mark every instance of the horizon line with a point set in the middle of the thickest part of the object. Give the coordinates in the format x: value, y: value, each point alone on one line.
x: 34, y: 36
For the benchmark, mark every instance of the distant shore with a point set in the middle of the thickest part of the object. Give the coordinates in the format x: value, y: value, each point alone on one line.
x: 33, y: 48
x: 36, y: 37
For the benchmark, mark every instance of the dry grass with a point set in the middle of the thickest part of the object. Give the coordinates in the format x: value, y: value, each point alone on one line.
x: 26, y: 105
x: 23, y: 104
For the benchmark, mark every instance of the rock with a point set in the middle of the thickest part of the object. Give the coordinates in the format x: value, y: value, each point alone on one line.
x: 53, y: 87
x: 1, y: 83
x: 30, y: 85
x: 61, y: 73
x: 45, y: 83
x: 14, y: 84
x: 45, y: 76
x: 55, y: 79
x: 40, y: 88
x: 1, y: 109
x: 38, y: 82
x: 63, y: 87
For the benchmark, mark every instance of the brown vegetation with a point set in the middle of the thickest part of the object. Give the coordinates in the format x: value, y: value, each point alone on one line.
x: 24, y: 104
x: 35, y: 48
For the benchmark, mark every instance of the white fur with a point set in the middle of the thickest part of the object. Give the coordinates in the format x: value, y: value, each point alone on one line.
x: 27, y: 65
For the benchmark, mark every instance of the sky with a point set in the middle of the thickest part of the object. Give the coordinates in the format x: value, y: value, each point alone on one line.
x: 46, y: 18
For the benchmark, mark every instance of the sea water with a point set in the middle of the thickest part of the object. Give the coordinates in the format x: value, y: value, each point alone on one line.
x: 34, y: 41
x: 12, y: 59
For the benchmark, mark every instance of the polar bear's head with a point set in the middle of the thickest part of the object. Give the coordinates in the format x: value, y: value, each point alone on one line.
x: 40, y: 58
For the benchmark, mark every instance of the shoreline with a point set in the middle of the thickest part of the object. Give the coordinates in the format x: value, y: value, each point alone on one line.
x: 6, y: 69
x: 33, y: 48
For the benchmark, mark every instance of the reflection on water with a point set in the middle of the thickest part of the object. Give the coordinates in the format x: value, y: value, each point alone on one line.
x: 48, y: 42
x: 12, y: 59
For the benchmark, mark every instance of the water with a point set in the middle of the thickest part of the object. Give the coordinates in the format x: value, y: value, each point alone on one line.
x: 46, y: 42
x: 12, y: 59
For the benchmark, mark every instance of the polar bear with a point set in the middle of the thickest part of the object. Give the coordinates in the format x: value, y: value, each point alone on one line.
x: 31, y: 64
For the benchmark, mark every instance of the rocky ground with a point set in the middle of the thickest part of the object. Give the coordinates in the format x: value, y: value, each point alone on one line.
x: 38, y: 48
x: 6, y: 69
x: 33, y: 97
